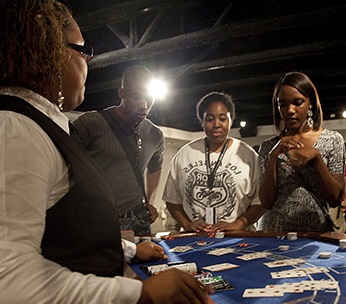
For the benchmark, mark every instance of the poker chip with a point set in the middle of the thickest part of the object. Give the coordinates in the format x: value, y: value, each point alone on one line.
x: 292, y: 236
x: 342, y: 243
x: 324, y: 255
x: 219, y: 235
x: 201, y: 243
x: 211, y: 234
x: 243, y: 245
x: 284, y: 247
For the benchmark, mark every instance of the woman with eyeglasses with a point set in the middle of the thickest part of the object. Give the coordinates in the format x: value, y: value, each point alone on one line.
x: 301, y: 168
x: 58, y: 236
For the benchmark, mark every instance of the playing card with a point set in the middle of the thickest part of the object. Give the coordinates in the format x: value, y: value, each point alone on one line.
x: 310, y: 285
x: 329, y: 284
x: 285, y: 262
x: 154, y: 269
x: 187, y: 267
x: 261, y: 292
x: 181, y: 248
x: 253, y: 256
x: 298, y: 272
x: 286, y: 288
x: 221, y: 251
x: 220, y: 267
x: 319, y: 284
x: 311, y: 270
x: 288, y: 274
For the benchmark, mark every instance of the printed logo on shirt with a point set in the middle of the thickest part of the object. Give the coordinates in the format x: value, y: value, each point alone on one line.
x: 221, y: 196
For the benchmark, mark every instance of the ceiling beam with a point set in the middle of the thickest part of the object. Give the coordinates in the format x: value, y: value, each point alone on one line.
x: 216, y: 34
x: 297, y: 51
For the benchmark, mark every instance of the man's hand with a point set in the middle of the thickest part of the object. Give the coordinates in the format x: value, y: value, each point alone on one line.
x: 172, y: 286
x: 153, y: 214
x: 197, y: 226
x: 224, y: 226
x: 147, y: 251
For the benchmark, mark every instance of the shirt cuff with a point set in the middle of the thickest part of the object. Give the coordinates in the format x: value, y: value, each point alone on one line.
x: 129, y: 249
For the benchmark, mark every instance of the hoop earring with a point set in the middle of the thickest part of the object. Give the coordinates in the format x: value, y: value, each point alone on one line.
x: 61, y: 97
x: 310, y: 121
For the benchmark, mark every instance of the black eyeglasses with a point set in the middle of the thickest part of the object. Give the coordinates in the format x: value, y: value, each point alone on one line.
x: 86, y: 51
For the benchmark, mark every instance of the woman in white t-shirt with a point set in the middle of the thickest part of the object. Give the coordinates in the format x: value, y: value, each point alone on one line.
x: 212, y: 184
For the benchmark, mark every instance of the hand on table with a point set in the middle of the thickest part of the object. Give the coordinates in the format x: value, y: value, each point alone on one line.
x: 197, y: 226
x: 172, y: 286
x: 224, y: 226
x: 147, y: 251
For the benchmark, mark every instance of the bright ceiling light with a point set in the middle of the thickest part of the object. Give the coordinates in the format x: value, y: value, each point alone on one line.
x: 344, y: 114
x: 157, y: 88
x: 243, y: 123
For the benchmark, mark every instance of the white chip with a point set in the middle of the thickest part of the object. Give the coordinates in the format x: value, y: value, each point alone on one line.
x: 219, y: 235
x: 292, y: 236
x: 284, y: 247
x: 342, y: 243
x: 325, y: 255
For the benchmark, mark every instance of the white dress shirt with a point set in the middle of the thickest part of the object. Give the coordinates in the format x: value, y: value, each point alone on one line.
x: 33, y: 177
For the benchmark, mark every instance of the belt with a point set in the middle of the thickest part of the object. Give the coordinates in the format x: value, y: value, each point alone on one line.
x: 136, y: 210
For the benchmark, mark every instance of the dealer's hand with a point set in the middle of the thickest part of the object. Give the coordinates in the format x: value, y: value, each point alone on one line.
x: 147, y: 251
x: 172, y: 286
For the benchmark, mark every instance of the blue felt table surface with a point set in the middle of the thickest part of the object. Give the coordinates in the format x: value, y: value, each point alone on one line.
x: 254, y: 274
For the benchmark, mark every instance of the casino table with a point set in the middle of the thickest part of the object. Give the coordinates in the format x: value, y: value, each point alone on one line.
x: 255, y: 273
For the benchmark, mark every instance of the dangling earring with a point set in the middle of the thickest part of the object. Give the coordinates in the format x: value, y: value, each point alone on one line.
x: 310, y: 121
x: 282, y: 125
x: 61, y: 97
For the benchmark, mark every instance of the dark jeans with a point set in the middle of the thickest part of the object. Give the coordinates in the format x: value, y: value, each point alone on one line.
x: 137, y: 220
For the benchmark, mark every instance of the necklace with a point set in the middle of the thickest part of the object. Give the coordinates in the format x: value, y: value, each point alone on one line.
x: 211, y: 173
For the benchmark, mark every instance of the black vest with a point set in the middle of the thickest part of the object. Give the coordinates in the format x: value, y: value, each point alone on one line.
x: 82, y: 229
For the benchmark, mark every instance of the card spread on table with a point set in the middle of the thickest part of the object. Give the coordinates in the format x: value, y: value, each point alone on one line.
x: 297, y: 272
x: 262, y: 292
x: 288, y: 288
x: 184, y: 266
x: 296, y: 287
x: 319, y: 285
x: 181, y: 249
x: 220, y: 267
x: 221, y: 251
x: 255, y: 255
x: 285, y: 262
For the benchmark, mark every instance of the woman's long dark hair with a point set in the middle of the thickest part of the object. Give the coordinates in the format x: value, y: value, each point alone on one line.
x: 304, y: 85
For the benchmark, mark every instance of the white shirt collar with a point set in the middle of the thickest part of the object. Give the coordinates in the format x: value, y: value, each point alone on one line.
x: 40, y: 103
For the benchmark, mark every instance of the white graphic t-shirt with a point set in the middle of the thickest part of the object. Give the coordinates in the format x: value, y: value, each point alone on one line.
x: 235, y: 186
